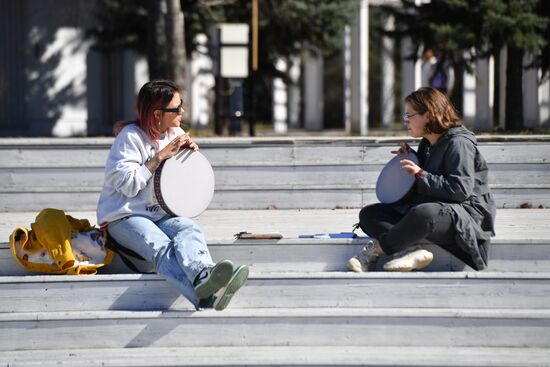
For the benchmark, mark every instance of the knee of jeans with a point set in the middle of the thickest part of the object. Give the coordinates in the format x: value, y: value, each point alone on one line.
x: 185, y: 223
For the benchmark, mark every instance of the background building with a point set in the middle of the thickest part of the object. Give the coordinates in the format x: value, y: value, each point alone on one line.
x: 54, y: 81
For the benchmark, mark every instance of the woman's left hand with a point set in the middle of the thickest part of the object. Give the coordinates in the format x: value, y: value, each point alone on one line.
x: 404, y: 148
x: 191, y: 144
x: 410, y: 166
x: 188, y: 143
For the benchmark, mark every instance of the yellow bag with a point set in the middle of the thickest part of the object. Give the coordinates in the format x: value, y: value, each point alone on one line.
x: 60, y: 244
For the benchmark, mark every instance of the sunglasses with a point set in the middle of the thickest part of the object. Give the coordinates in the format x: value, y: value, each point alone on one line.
x: 178, y: 109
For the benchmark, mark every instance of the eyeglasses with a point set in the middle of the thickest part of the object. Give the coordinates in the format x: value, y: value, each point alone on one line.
x: 407, y: 117
x: 178, y: 109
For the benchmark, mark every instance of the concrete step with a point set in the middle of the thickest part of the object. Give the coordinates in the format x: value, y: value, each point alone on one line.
x: 315, y: 255
x: 259, y: 173
x: 398, y: 356
x: 221, y: 225
x: 282, y: 290
x: 522, y: 241
x: 263, y: 198
x: 440, y: 327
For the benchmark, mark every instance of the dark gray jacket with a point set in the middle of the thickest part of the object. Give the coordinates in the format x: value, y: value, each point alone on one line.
x: 456, y: 173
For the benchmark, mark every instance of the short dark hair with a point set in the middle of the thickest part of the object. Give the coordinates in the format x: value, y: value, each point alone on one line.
x: 441, y: 113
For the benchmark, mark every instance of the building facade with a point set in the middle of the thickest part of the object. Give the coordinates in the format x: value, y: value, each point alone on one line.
x: 53, y: 82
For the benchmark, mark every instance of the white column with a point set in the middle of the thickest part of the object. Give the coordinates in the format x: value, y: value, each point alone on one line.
x: 484, y: 94
x: 469, y: 99
x: 280, y: 100
x: 141, y: 73
x: 417, y: 73
x: 388, y: 75
x: 530, y: 95
x: 294, y: 97
x: 544, y: 102
x: 347, y: 78
x: 199, y: 85
x: 313, y: 91
x: 409, y: 79
x: 360, y: 71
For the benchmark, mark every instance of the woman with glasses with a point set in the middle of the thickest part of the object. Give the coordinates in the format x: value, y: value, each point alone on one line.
x: 128, y: 209
x: 451, y: 204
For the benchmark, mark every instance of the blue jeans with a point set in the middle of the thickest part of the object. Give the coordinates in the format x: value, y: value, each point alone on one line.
x: 175, y: 245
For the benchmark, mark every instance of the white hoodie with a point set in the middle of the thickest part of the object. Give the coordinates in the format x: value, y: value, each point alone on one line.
x: 128, y: 188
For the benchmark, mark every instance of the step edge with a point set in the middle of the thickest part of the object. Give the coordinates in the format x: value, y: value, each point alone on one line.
x: 518, y: 276
x: 365, y: 355
x: 281, y: 313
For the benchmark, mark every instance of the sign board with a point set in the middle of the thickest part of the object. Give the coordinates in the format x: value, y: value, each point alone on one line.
x: 231, y: 41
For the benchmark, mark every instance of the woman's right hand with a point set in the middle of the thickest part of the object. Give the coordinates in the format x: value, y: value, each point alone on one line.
x: 404, y: 148
x: 173, y: 147
x: 168, y: 151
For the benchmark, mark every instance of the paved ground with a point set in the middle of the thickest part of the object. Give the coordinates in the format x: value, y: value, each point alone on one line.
x: 511, y: 224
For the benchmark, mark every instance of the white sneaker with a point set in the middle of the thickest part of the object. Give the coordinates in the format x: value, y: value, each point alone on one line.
x: 409, y: 259
x: 364, y: 261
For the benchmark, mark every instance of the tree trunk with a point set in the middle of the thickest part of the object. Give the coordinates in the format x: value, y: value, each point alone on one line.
x: 175, y: 45
x: 457, y: 96
x: 156, y: 39
x: 513, y: 119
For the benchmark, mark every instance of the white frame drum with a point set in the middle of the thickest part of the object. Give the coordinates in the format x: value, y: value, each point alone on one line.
x: 184, y: 184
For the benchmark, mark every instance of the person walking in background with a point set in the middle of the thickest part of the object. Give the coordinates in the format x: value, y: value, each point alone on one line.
x: 428, y: 62
x: 452, y: 205
x: 442, y: 76
x: 128, y: 207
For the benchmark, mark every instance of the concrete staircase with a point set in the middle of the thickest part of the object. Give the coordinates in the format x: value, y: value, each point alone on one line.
x: 299, y: 306
x: 283, y: 173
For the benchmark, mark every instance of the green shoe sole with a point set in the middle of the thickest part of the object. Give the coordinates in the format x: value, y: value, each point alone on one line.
x: 220, y: 276
x: 237, y: 281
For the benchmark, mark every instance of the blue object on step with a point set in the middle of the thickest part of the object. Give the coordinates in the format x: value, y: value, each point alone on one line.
x: 329, y: 235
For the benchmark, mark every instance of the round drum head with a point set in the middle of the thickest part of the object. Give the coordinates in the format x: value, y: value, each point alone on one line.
x: 184, y: 184
x: 394, y: 183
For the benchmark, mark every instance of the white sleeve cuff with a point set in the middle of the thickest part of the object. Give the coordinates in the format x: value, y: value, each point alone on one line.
x: 144, y: 173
